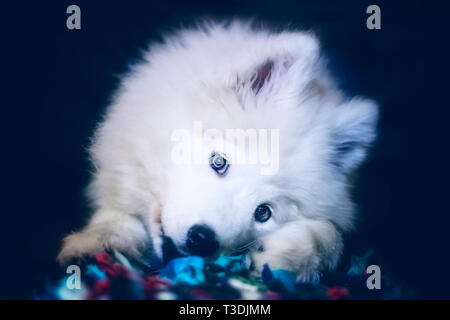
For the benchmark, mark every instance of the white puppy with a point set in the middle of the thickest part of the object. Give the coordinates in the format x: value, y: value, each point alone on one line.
x: 166, y: 153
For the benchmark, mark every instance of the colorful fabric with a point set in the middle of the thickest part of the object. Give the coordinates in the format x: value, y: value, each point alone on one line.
x: 112, y: 276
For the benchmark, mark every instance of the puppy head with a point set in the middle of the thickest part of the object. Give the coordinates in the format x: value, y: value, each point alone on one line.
x: 229, y: 195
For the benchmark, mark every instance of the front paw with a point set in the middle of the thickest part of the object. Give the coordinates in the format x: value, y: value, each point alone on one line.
x: 306, y: 269
x: 305, y: 247
x: 128, y: 237
x: 304, y: 263
x: 77, y: 246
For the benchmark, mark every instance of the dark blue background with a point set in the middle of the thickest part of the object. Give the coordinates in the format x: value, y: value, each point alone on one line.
x: 62, y: 80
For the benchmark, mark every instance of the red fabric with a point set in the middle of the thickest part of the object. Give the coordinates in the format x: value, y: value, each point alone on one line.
x: 200, y: 293
x: 272, y: 295
x: 338, y: 293
x: 111, y: 269
x: 154, y: 284
x: 99, y: 289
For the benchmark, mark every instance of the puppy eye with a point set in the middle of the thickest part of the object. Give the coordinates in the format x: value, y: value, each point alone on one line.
x: 263, y: 212
x: 219, y: 163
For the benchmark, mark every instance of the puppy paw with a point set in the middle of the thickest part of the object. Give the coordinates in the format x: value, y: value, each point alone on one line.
x: 78, y: 246
x: 305, y: 247
x: 304, y: 265
x: 129, y: 238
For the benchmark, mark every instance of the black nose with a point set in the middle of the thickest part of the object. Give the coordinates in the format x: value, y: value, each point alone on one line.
x: 201, y: 241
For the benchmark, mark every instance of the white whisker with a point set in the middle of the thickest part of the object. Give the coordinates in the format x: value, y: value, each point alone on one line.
x: 245, y: 247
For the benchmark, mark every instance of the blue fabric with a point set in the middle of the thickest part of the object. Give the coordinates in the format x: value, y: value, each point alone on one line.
x: 94, y: 273
x: 285, y: 278
x: 187, y: 270
x: 231, y: 263
x: 190, y: 270
x: 114, y: 277
x: 359, y: 264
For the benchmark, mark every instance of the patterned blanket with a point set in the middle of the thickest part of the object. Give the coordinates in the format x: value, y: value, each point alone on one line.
x: 112, y: 276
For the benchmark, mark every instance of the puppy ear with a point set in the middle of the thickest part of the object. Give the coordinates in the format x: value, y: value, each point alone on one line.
x: 353, y: 132
x: 261, y: 76
x: 284, y: 67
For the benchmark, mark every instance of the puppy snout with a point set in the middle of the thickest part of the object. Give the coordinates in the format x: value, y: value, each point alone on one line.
x: 201, y: 241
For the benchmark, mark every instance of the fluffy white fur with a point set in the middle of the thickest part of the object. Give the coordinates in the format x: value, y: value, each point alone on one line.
x: 207, y: 74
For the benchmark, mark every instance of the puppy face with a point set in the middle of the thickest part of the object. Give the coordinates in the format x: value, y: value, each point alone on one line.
x: 232, y: 197
x: 222, y: 204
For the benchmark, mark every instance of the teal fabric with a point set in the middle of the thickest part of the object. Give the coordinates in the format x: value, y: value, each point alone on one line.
x: 93, y: 272
x: 191, y: 270
x: 187, y: 270
x: 286, y: 278
x: 112, y: 276
x: 231, y: 263
x: 359, y: 264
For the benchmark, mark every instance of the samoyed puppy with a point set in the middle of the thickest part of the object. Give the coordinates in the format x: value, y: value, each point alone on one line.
x: 227, y: 139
